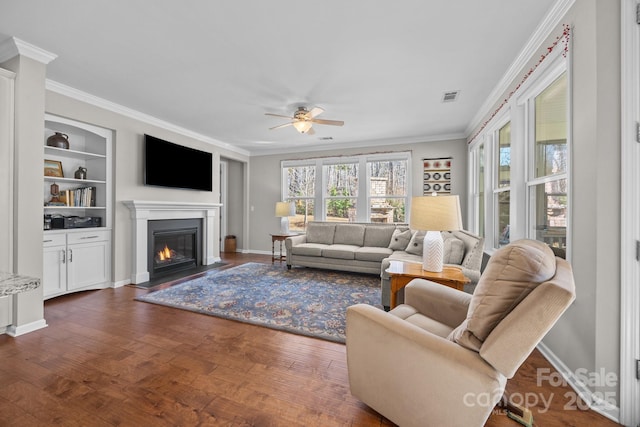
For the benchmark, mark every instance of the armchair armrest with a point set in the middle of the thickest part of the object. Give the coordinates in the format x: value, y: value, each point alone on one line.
x: 441, y: 303
x: 410, y: 375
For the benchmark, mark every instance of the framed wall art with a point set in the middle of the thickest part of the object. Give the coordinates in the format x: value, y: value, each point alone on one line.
x: 436, y: 176
x: 53, y: 168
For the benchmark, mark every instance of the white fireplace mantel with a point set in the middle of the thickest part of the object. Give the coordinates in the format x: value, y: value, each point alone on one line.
x: 143, y: 211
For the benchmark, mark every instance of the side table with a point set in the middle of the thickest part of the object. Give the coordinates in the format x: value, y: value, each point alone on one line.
x: 401, y: 273
x: 278, y: 238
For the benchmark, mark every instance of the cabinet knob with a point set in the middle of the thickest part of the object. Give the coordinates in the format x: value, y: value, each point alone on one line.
x: 70, y: 255
x: 64, y: 256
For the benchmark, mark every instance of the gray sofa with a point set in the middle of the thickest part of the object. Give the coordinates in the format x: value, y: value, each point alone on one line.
x: 368, y: 248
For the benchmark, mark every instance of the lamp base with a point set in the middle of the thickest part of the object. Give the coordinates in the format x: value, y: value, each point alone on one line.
x: 284, y: 225
x: 432, y: 252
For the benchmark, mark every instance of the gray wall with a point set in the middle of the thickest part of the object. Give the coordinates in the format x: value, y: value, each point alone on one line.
x: 587, y: 336
x: 128, y: 164
x: 265, y: 186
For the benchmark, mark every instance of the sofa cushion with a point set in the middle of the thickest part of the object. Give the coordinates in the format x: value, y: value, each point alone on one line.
x: 368, y: 253
x: 320, y: 233
x: 340, y: 251
x: 378, y: 236
x: 349, y: 234
x: 416, y: 243
x: 308, y: 249
x: 511, y: 274
x: 400, y: 239
x: 453, y: 250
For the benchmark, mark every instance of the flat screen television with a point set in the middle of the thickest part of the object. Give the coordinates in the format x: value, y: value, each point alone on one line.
x: 171, y: 165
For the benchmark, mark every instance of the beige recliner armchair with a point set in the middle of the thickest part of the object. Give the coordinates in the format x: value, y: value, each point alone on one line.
x: 443, y: 357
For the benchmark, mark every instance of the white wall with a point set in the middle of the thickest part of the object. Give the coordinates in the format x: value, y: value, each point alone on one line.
x: 28, y: 157
x: 128, y: 170
x: 265, y: 186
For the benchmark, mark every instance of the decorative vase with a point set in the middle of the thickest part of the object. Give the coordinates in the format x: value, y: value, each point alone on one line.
x: 81, y: 173
x: 58, y: 140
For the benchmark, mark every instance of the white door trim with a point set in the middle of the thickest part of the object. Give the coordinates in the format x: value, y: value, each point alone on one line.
x: 224, y: 210
x: 630, y: 212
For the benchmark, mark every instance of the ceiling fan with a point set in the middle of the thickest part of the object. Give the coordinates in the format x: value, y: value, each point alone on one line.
x: 304, y: 119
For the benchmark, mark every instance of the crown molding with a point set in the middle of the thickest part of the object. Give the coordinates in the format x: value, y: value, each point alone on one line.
x: 542, y: 32
x: 13, y: 47
x: 137, y: 115
x: 361, y: 144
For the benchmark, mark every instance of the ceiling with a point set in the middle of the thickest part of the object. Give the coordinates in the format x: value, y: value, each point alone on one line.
x: 215, y: 68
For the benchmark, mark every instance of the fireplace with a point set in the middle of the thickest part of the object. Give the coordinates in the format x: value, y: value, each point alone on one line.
x: 173, y: 245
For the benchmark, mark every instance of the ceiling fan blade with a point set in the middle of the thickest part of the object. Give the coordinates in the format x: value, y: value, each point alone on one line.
x: 315, y: 111
x: 281, y: 126
x: 278, y: 115
x: 328, y: 122
x: 310, y: 132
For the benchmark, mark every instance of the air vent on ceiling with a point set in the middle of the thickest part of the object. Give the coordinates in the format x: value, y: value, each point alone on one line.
x: 450, y: 96
x: 325, y: 138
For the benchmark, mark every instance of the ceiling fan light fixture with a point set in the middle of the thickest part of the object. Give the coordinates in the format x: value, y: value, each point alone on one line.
x: 302, y: 126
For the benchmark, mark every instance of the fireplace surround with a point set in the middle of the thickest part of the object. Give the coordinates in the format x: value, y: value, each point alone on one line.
x: 144, y: 211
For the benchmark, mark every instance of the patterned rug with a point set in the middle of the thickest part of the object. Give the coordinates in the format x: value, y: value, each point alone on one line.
x: 304, y: 301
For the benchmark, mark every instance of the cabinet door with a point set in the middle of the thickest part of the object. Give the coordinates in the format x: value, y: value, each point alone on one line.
x: 54, y: 271
x: 87, y: 264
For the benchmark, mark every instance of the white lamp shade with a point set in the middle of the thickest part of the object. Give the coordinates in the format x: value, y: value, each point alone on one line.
x: 435, y: 213
x: 284, y: 209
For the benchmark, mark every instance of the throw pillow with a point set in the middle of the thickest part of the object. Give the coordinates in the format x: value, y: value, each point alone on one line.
x: 416, y: 243
x: 400, y: 240
x: 511, y: 274
x: 453, y: 251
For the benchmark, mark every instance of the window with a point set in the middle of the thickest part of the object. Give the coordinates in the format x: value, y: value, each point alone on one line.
x: 341, y: 192
x: 387, y: 190
x: 367, y: 188
x: 547, y: 181
x: 477, y: 184
x: 502, y: 186
x: 525, y: 153
x: 300, y: 189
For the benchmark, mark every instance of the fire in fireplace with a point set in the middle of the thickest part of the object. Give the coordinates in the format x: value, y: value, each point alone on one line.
x: 173, y: 245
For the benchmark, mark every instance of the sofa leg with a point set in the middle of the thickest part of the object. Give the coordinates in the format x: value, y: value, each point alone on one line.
x: 288, y: 267
x: 386, y: 308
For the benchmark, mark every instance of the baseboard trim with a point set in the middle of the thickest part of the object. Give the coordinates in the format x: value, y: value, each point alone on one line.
x: 254, y: 251
x: 15, y: 331
x: 121, y: 283
x: 594, y: 402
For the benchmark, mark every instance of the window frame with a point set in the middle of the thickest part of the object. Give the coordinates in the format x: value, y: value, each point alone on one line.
x: 518, y: 110
x: 363, y: 210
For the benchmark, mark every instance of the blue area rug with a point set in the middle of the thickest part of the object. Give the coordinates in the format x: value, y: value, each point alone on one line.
x: 304, y: 301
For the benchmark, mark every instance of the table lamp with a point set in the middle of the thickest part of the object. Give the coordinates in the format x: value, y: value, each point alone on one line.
x: 434, y: 214
x: 284, y: 210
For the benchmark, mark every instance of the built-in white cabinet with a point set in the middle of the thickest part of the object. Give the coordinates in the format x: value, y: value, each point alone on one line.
x: 77, y: 258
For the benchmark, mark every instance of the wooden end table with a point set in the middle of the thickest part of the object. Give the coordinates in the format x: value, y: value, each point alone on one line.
x: 278, y: 238
x: 401, y: 273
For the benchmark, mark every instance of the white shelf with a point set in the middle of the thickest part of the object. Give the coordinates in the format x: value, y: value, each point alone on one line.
x: 73, y: 207
x: 73, y: 180
x: 55, y: 151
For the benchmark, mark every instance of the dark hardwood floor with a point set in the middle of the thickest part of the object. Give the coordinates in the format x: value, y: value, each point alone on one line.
x: 107, y: 360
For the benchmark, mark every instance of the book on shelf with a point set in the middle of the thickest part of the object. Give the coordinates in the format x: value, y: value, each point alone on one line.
x: 80, y: 197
